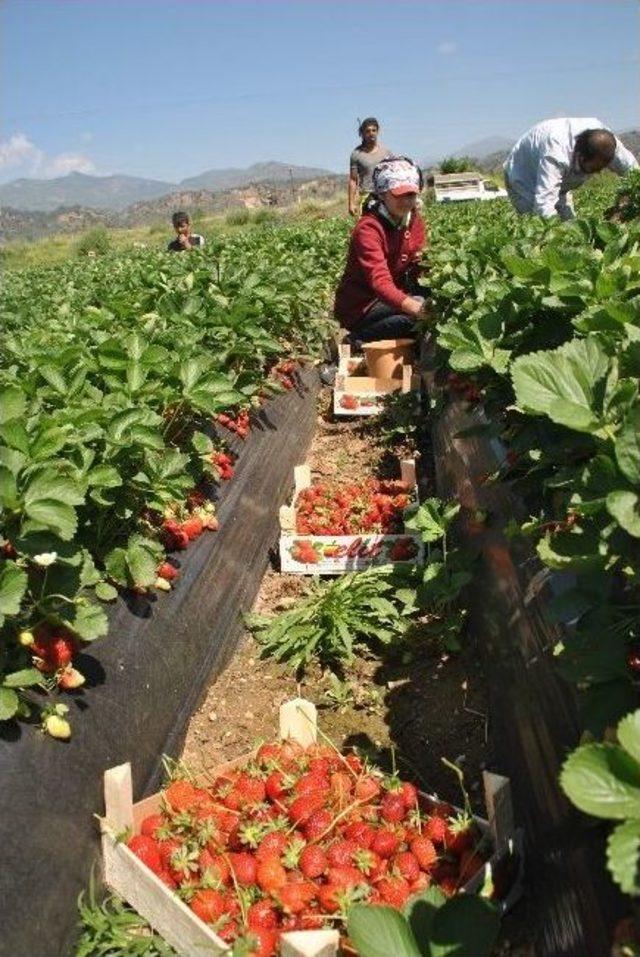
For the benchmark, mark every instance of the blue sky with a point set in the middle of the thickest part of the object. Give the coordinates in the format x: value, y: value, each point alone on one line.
x: 169, y: 88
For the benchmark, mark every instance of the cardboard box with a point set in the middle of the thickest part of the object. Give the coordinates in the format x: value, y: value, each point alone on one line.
x: 356, y: 393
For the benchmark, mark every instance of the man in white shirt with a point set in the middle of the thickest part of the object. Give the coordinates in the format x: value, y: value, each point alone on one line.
x: 556, y: 156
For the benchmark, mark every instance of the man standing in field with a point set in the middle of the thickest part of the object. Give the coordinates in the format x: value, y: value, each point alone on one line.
x: 556, y: 156
x: 362, y: 162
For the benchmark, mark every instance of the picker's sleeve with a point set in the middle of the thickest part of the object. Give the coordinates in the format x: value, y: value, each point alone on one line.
x: 624, y: 160
x: 368, y: 245
x: 548, y: 185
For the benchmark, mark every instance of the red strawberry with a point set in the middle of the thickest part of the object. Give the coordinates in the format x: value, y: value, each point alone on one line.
x: 166, y: 849
x: 243, y: 866
x: 423, y: 849
x: 192, y: 527
x: 393, y: 808
x: 146, y: 849
x: 251, y: 789
x: 345, y: 876
x: 385, y: 843
x: 367, y: 788
x: 461, y: 834
x: 329, y: 897
x: 341, y: 853
x: 270, y: 875
x: 317, y: 824
x: 268, y: 753
x: 257, y: 942
x: 394, y: 891
x: 293, y: 898
x: 470, y: 864
x: 311, y: 783
x: 303, y: 807
x: 183, y: 796
x: 262, y: 914
x: 273, y: 844
x: 167, y: 571
x: 409, y: 794
x: 360, y: 832
x: 313, y: 861
x: 435, y: 829
x: 407, y: 866
x: 275, y: 786
x: 151, y: 824
x: 216, y: 866
x: 208, y: 905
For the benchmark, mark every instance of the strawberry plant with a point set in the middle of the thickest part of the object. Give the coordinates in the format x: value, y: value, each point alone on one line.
x: 604, y: 780
x: 115, y: 372
x: 328, y: 624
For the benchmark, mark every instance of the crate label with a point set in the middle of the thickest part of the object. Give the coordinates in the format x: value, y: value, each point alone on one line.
x: 344, y: 553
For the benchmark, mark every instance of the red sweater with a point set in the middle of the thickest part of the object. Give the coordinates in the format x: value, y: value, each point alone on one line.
x: 380, y: 259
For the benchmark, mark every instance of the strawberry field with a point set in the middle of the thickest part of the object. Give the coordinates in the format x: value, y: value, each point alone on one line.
x: 153, y: 408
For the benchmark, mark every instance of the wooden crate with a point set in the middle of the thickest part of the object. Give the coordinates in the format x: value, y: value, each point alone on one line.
x: 181, y: 928
x: 356, y: 394
x: 338, y: 554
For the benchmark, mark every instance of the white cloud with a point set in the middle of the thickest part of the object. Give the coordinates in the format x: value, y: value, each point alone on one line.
x: 20, y: 157
x: 447, y: 47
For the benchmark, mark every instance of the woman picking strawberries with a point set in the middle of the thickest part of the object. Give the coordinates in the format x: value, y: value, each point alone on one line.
x: 378, y: 296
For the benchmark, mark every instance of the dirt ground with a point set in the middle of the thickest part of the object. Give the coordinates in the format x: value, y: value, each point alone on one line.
x: 413, y: 709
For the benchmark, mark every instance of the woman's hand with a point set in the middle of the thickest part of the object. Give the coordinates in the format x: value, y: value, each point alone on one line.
x: 413, y: 306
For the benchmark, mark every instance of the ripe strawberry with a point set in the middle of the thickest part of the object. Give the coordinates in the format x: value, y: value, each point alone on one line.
x: 293, y: 898
x: 270, y: 875
x: 70, y: 679
x: 243, y: 866
x: 192, y: 527
x: 368, y: 862
x: 268, y: 754
x: 407, y: 866
x: 354, y: 762
x: 262, y: 914
x: 167, y: 571
x: 424, y: 851
x: 272, y: 844
x: 394, y: 891
x: 341, y: 853
x: 470, y: 864
x: 345, y: 876
x: 360, y: 832
x: 367, y: 788
x: 448, y: 886
x: 329, y: 897
x: 461, y: 834
x: 146, y: 849
x: 216, y: 866
x: 251, y: 789
x: 393, y: 808
x: 257, y: 942
x: 409, y: 794
x: 275, y: 786
x: 182, y: 796
x: 313, y: 861
x: 301, y: 809
x: 166, y: 849
x: 208, y: 905
x: 311, y: 783
x: 385, y: 843
x: 317, y: 824
x: 151, y: 824
x: 435, y: 829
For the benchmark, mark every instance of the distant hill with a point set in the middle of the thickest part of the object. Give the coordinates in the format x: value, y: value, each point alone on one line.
x: 117, y: 192
x: 80, y: 189
x: 32, y: 224
x: 485, y: 146
x: 273, y: 172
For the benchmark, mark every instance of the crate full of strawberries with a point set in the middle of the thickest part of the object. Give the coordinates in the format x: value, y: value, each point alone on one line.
x: 332, y: 528
x: 268, y: 854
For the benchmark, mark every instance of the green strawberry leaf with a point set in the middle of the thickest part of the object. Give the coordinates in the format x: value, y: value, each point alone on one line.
x: 623, y: 856
x: 629, y: 734
x: 13, y: 404
x: 378, y: 931
x: 602, y: 780
x: 22, y: 679
x: 627, y: 447
x: 465, y: 926
x: 106, y: 592
x: 625, y: 508
x: 13, y: 587
x: 9, y: 703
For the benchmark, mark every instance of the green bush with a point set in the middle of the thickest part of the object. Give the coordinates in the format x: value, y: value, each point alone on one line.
x: 96, y: 241
x: 456, y: 165
x: 238, y: 217
x: 265, y: 216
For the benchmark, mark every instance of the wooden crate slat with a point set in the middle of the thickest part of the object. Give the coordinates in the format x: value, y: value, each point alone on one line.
x: 310, y: 943
x: 166, y: 913
x: 299, y: 721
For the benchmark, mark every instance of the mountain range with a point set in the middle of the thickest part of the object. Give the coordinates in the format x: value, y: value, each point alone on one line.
x: 119, y: 191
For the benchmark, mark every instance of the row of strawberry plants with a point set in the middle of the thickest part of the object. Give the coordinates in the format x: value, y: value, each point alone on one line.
x: 539, y: 322
x: 116, y: 376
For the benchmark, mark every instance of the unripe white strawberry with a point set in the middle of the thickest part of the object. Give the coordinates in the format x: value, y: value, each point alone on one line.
x: 162, y: 584
x: 70, y: 679
x: 26, y: 638
x: 57, y: 727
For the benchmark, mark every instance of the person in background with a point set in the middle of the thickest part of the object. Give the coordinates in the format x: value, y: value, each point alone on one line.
x: 556, y: 156
x: 185, y: 239
x: 378, y: 296
x: 363, y: 161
